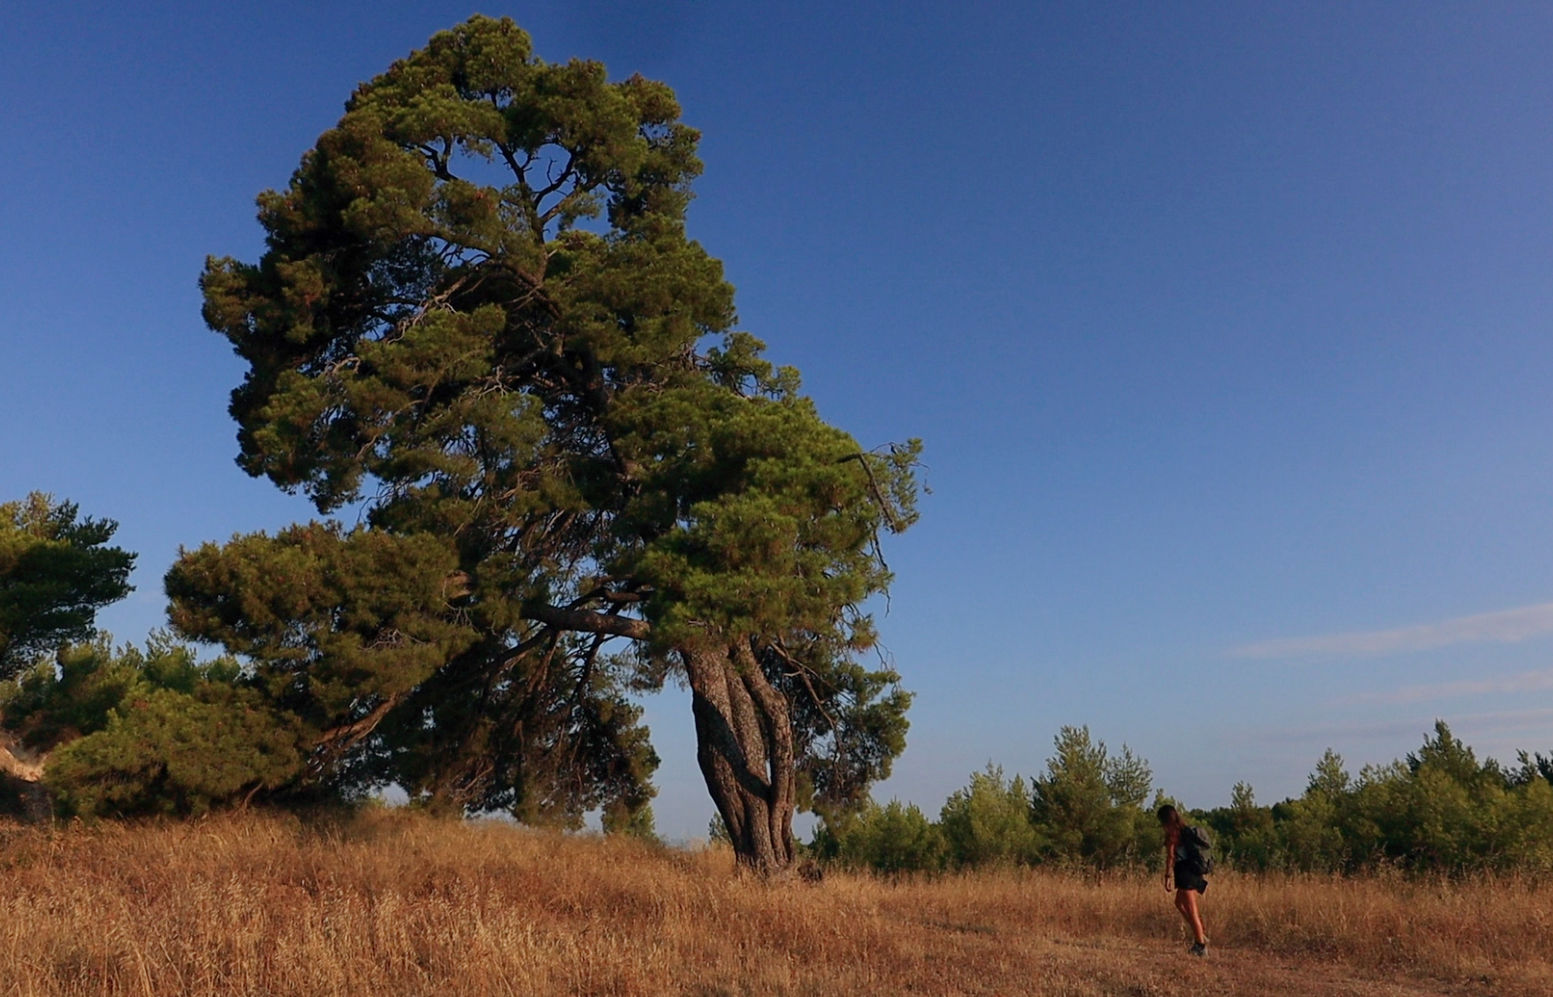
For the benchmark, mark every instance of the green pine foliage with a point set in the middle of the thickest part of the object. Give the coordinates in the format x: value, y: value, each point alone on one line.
x: 894, y: 838
x: 632, y: 823
x: 164, y: 751
x: 359, y: 636
x: 1249, y: 828
x: 335, y: 623
x: 148, y: 731
x: 480, y: 320
x: 1439, y: 810
x: 1088, y: 806
x: 988, y: 822
x: 56, y: 571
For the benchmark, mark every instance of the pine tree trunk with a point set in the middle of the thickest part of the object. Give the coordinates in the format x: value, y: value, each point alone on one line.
x: 744, y: 738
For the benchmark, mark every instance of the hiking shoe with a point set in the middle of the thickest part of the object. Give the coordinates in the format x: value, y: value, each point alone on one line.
x: 1199, y: 949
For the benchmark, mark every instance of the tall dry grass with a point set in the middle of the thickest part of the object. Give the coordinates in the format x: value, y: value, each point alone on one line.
x: 396, y: 903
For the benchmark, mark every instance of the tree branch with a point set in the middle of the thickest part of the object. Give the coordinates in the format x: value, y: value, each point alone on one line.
x: 587, y: 621
x: 873, y: 486
x: 341, y: 738
x: 803, y: 671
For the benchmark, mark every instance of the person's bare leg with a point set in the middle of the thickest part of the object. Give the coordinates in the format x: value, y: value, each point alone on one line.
x: 1186, y: 903
x: 1186, y: 914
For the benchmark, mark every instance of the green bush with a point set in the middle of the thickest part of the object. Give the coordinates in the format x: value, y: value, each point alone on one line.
x: 893, y: 838
x: 148, y: 731
x: 988, y: 822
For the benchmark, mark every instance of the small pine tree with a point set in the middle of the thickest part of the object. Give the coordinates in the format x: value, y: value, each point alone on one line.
x: 1088, y: 805
x: 631, y: 823
x: 988, y: 822
x: 894, y: 838
x: 56, y: 572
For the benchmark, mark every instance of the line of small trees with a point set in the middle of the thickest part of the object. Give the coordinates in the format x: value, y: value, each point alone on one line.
x: 1088, y: 807
x: 1438, y: 810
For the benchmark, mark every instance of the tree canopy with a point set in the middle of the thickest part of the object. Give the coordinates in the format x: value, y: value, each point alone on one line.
x: 479, y: 319
x: 56, y: 572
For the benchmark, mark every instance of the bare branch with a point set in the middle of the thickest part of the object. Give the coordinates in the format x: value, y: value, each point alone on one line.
x: 873, y: 485
x: 803, y: 672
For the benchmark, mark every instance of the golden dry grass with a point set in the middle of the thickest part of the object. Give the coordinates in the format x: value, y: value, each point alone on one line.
x: 395, y: 903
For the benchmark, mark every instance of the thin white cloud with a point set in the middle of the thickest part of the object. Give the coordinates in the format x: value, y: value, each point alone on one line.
x: 1533, y: 681
x: 1505, y: 626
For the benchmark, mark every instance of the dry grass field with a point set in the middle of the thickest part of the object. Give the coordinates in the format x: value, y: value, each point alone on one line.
x: 395, y: 903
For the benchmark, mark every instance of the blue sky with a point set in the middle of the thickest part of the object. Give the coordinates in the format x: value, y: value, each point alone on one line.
x: 1226, y: 327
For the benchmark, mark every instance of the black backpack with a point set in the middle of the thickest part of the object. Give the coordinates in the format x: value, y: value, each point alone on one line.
x: 1199, y: 850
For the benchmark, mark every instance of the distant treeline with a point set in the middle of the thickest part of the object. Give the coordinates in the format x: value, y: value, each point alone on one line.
x: 1438, y: 810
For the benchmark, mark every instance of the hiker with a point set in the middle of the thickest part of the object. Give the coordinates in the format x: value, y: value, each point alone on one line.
x: 1187, y: 862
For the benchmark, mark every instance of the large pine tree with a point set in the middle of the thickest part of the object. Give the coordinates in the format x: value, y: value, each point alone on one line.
x: 480, y: 320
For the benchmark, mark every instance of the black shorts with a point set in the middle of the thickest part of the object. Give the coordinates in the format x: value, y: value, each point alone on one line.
x: 1186, y: 879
